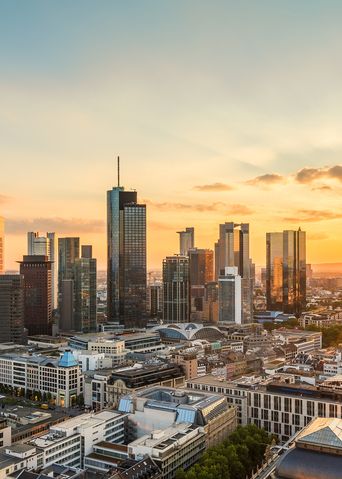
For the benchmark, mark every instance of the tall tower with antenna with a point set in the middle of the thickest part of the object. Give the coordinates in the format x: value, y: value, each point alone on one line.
x: 126, y: 256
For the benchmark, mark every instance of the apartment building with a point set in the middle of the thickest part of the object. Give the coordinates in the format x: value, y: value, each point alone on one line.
x: 61, y: 378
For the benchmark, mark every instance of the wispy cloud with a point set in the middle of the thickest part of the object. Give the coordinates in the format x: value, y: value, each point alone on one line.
x: 4, y: 199
x: 266, y: 179
x: 213, y: 187
x: 308, y: 175
x: 59, y: 225
x: 201, y: 207
x: 312, y: 216
x: 317, y: 236
x: 322, y: 188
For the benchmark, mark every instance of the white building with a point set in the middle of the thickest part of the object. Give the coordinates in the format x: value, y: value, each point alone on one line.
x: 229, y: 287
x: 62, y: 378
x: 92, y: 360
x: 67, y: 443
x: 17, y: 457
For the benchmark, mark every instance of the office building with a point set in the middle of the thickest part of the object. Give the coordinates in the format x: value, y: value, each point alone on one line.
x: 186, y: 241
x: 229, y: 290
x: 232, y: 249
x: 155, y: 300
x: 286, y: 271
x: 12, y: 309
x: 44, y: 246
x: 68, y: 252
x: 37, y: 274
x: 61, y: 378
x: 161, y: 407
x: 85, y: 291
x: 176, y: 289
x: 2, y: 245
x: 201, y: 273
x: 126, y: 268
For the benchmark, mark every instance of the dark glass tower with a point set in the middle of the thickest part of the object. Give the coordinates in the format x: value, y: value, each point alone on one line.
x: 176, y: 289
x: 12, y: 309
x: 286, y: 271
x: 68, y: 252
x: 126, y: 269
x: 85, y: 291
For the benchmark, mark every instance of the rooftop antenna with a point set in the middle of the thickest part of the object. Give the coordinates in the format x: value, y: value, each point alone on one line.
x: 118, y: 164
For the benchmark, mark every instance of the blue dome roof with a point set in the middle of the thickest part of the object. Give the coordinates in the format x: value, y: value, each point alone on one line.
x: 67, y: 360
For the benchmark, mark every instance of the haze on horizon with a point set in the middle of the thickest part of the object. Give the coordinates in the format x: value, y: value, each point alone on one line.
x: 219, y: 111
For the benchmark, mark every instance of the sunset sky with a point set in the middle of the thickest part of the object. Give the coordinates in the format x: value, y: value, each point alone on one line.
x: 219, y: 110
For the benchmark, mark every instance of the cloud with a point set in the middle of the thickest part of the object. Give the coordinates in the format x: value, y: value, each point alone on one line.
x: 59, y: 225
x: 267, y: 179
x: 201, y: 207
x: 308, y: 175
x: 213, y: 187
x: 311, y: 216
x: 4, y: 199
x: 322, y: 188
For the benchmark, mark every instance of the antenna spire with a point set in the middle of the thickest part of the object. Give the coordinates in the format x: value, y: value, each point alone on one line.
x: 118, y: 164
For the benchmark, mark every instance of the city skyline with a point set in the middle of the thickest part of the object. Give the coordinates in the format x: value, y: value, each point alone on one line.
x: 238, y: 107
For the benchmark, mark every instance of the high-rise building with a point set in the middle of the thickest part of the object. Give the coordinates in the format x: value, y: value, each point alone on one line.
x: 2, y: 246
x: 176, y: 289
x: 201, y: 273
x: 286, y: 271
x: 37, y: 294
x: 44, y: 246
x: 85, y: 291
x: 186, y: 240
x: 126, y: 268
x: 229, y: 286
x: 155, y: 300
x: 232, y: 249
x: 12, y: 308
x: 68, y: 252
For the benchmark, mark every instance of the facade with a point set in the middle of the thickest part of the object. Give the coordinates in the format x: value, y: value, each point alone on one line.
x: 62, y: 378
x: 105, y: 388
x: 186, y: 241
x: 2, y: 245
x: 68, y: 252
x: 69, y: 442
x: 281, y: 406
x: 161, y: 407
x: 177, y: 447
x: 37, y: 274
x: 229, y: 289
x: 12, y: 309
x: 155, y: 300
x: 232, y: 249
x: 286, y: 271
x: 126, y: 269
x: 17, y: 457
x: 44, y: 246
x: 176, y: 289
x: 201, y: 273
x: 85, y: 291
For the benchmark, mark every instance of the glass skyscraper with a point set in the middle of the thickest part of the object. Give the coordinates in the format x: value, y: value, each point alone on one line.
x: 176, y: 289
x: 2, y: 246
x: 85, y: 291
x: 232, y: 249
x: 286, y: 271
x: 126, y: 268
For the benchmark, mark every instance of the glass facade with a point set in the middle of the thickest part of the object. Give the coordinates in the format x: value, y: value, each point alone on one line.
x: 126, y: 269
x: 176, y: 287
x: 85, y: 294
x: 232, y: 249
x: 286, y: 271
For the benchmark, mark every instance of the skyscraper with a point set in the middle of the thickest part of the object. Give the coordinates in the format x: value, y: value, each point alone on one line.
x: 186, y: 240
x: 176, y: 289
x: 201, y: 272
x: 286, y: 271
x: 44, y: 246
x: 232, y: 249
x: 68, y: 252
x: 2, y: 246
x: 37, y: 294
x: 12, y: 309
x: 85, y: 291
x: 126, y: 268
x: 229, y: 287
